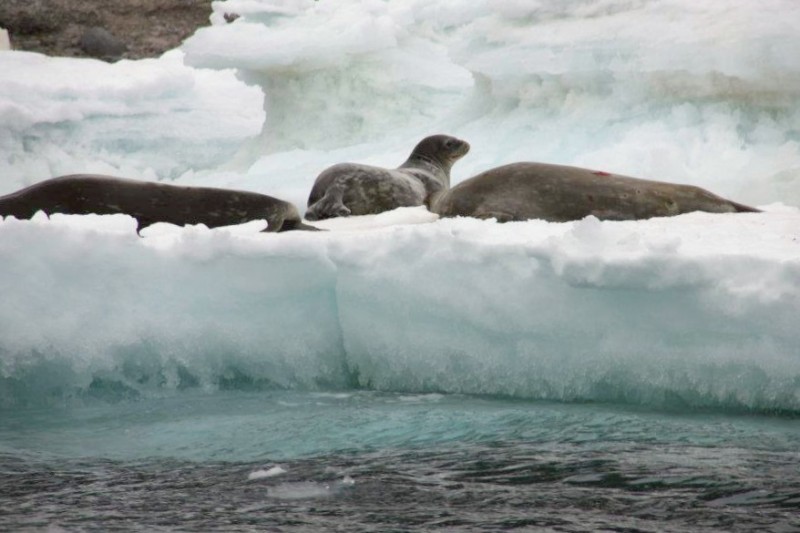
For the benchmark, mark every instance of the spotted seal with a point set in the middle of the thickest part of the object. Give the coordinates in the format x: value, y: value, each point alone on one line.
x: 353, y: 189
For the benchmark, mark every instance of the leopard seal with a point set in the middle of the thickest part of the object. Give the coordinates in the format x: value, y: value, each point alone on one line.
x: 354, y: 189
x: 148, y: 203
x: 558, y: 193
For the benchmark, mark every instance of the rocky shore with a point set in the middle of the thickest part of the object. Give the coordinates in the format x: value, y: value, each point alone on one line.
x: 105, y: 29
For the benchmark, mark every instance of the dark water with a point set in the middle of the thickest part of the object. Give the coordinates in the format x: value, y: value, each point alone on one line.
x: 389, y: 462
x: 501, y: 486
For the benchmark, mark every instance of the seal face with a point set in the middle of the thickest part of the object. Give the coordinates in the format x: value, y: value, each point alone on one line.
x: 353, y: 189
x: 557, y: 193
x: 148, y: 203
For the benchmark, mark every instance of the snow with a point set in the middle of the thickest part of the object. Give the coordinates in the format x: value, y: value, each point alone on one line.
x: 698, y: 307
x: 149, y: 119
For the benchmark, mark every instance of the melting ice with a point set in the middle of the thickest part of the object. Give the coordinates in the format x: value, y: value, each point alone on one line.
x: 700, y: 309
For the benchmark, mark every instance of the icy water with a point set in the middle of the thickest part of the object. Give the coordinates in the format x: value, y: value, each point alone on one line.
x: 368, y: 461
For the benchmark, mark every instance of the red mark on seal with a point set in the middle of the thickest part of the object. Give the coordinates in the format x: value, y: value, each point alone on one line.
x: 600, y: 173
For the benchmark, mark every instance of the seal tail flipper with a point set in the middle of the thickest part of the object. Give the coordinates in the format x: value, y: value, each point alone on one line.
x: 291, y: 225
x: 329, y: 206
x: 741, y: 208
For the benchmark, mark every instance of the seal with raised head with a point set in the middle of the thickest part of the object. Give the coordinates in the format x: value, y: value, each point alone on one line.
x: 353, y: 189
x: 148, y: 203
x: 558, y: 193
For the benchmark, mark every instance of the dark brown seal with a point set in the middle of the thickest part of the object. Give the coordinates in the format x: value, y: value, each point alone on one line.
x: 148, y: 203
x: 556, y: 193
x: 352, y: 189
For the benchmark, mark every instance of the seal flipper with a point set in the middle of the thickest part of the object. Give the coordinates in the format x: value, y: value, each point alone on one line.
x: 431, y: 201
x: 278, y: 222
x: 142, y: 223
x: 610, y: 214
x: 329, y: 206
x: 275, y: 221
x: 500, y: 216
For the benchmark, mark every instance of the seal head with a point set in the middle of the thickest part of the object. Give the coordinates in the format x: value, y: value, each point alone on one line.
x: 436, y: 154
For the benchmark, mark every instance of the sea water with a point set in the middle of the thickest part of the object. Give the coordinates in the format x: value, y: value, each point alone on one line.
x: 370, y: 461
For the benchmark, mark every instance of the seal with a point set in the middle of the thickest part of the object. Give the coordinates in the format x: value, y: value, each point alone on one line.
x: 148, y: 203
x: 556, y: 193
x: 353, y: 189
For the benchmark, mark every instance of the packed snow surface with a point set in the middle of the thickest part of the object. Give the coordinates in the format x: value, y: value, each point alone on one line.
x: 698, y: 310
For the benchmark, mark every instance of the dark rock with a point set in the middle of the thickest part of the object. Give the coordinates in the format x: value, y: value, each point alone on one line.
x: 100, y: 43
x: 57, y: 27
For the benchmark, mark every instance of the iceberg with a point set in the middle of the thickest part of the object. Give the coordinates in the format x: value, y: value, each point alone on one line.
x: 699, y: 307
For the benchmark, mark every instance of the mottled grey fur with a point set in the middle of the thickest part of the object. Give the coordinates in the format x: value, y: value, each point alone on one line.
x: 556, y: 193
x: 148, y: 203
x: 352, y: 189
